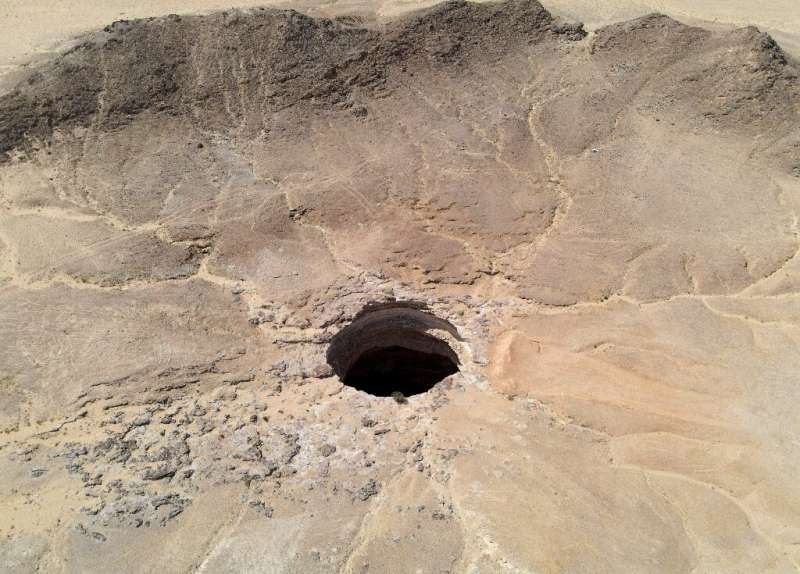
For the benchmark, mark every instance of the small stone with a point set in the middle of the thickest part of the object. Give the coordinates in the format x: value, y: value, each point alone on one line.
x: 92, y: 480
x: 367, y: 491
x: 279, y: 367
x: 162, y: 471
x: 270, y: 468
x: 140, y: 421
x: 161, y: 500
x: 322, y: 371
x: 93, y: 510
x: 262, y: 508
x: 26, y: 452
x: 327, y: 449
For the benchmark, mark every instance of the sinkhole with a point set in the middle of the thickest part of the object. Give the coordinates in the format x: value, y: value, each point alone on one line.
x: 394, y: 348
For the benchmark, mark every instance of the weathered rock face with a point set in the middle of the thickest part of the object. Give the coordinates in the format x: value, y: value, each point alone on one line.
x: 191, y: 209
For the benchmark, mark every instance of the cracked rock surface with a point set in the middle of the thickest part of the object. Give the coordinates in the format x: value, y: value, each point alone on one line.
x: 193, y: 207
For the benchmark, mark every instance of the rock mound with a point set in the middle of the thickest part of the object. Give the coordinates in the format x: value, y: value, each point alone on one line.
x: 268, y: 59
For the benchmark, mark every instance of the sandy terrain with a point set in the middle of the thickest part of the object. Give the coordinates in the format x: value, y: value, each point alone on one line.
x: 209, y: 223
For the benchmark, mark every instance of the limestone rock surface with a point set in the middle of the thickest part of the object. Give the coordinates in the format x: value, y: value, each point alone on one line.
x: 192, y: 207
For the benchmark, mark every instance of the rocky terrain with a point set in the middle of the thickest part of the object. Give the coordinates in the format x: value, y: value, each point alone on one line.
x: 205, y: 220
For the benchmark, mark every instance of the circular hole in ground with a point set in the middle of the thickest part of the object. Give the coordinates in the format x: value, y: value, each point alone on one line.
x: 394, y: 349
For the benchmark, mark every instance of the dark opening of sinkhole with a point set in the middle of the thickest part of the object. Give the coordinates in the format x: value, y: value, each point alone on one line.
x: 391, y: 349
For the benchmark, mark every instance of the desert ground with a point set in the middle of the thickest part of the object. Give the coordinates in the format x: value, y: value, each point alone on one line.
x: 400, y: 287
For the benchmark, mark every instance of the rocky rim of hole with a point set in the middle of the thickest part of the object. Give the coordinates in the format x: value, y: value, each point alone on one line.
x: 395, y: 348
